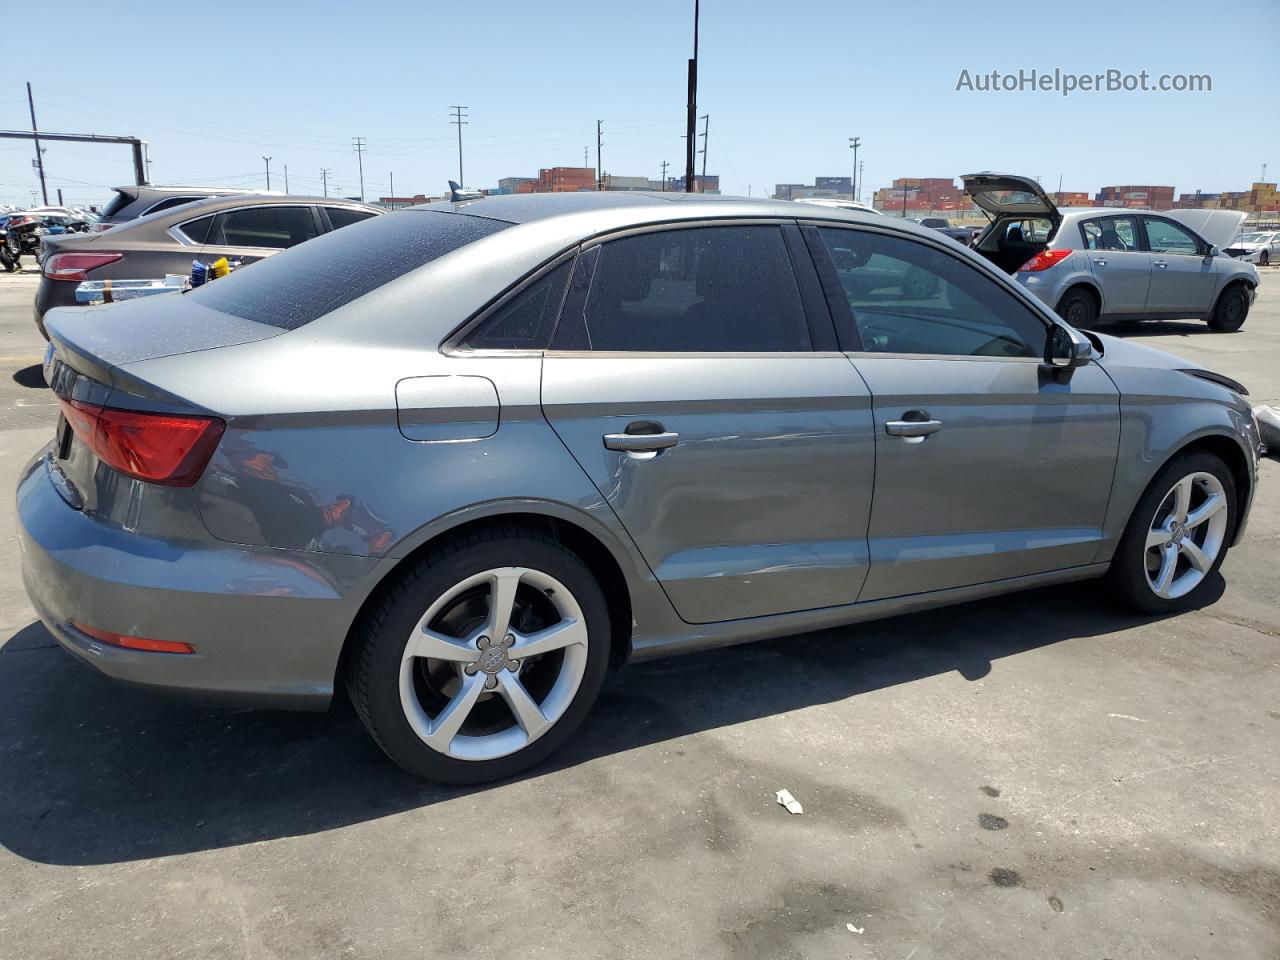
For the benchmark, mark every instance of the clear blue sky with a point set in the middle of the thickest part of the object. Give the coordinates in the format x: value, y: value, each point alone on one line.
x: 785, y: 83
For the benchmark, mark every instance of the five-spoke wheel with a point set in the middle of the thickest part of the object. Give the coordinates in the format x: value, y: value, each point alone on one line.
x: 483, y: 658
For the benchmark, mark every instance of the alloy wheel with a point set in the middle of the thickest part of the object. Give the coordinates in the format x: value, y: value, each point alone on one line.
x: 493, y: 663
x: 1186, y: 535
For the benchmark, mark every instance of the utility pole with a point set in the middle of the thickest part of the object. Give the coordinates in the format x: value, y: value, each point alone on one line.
x: 706, y: 125
x: 35, y: 136
x: 691, y: 119
x: 904, y: 201
x: 360, y: 145
x: 146, y: 155
x: 858, y: 197
x: 459, y: 119
x: 324, y: 179
x: 267, y: 160
x: 286, y: 178
x: 586, y: 156
x: 664, y: 175
x: 393, y: 185
x: 853, y: 145
x: 599, y: 144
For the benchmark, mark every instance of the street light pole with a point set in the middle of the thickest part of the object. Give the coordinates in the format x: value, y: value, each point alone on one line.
x: 691, y: 120
x: 267, y: 161
x: 853, y: 187
x: 44, y: 191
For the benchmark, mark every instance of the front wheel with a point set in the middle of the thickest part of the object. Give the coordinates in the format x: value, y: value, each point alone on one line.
x: 1231, y: 309
x: 483, y: 658
x: 1264, y: 259
x: 1177, y: 536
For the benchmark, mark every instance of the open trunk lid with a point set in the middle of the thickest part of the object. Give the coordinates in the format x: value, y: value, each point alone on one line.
x: 1001, y: 194
x: 1218, y: 227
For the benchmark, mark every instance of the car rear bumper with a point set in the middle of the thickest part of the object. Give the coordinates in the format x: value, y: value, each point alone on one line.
x: 267, y: 625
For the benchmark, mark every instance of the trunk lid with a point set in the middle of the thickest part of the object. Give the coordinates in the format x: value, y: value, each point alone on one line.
x: 1001, y: 194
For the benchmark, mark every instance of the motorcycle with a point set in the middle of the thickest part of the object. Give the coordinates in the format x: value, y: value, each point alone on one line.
x: 8, y: 259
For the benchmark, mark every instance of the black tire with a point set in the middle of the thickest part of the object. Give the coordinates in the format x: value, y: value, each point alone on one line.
x: 1128, y: 573
x: 373, y: 673
x: 1230, y: 311
x: 1264, y: 258
x: 1079, y: 309
x: 10, y: 265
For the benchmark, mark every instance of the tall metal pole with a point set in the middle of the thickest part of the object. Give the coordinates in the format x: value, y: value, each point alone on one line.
x: 286, y: 178
x: 706, y: 125
x: 691, y: 120
x: 599, y: 144
x: 268, y: 162
x: 359, y: 145
x: 459, y: 118
x: 44, y: 191
x: 853, y: 187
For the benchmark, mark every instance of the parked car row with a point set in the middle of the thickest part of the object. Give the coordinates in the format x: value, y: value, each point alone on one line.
x: 466, y: 459
x: 238, y: 225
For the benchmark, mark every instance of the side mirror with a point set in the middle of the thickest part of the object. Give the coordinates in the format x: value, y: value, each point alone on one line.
x: 1065, y: 349
x: 1213, y: 252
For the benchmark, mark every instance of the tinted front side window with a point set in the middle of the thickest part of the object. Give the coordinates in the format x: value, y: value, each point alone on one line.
x: 277, y: 227
x: 722, y: 289
x: 297, y: 286
x: 1166, y: 237
x: 907, y: 297
x: 1111, y: 233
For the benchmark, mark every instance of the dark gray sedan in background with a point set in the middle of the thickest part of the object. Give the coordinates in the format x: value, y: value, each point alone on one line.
x: 466, y: 459
x: 239, y: 227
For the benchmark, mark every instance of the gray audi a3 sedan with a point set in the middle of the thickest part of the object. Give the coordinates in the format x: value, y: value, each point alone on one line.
x: 467, y: 459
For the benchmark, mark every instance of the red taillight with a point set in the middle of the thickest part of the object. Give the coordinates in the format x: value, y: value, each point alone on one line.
x: 76, y: 266
x: 134, y: 643
x: 1044, y: 260
x: 156, y: 447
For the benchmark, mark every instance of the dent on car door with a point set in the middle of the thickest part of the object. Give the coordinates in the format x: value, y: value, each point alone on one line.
x: 716, y: 417
x: 1183, y: 278
x: 986, y: 468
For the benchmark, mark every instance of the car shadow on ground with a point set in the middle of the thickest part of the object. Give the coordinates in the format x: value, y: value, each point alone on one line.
x: 1155, y: 328
x: 32, y: 377
x: 95, y: 772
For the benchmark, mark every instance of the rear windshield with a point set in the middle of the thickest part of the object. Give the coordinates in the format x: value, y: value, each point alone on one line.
x: 296, y: 286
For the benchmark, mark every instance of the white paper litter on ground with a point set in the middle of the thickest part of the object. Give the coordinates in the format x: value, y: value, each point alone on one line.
x: 791, y: 803
x: 852, y: 929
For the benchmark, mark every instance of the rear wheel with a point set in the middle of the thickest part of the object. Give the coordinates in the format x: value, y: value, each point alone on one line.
x: 483, y: 658
x: 1231, y: 309
x: 1264, y: 258
x: 1079, y: 309
x: 1177, y: 536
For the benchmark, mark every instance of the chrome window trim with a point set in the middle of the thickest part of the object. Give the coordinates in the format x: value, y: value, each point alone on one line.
x: 185, y: 199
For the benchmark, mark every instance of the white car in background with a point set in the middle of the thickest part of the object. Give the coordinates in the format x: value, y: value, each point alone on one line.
x: 1261, y: 248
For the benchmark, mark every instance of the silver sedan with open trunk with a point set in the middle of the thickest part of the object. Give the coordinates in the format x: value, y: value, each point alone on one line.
x: 467, y: 459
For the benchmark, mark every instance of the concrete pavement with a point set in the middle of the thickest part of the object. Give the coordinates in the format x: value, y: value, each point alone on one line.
x: 1032, y: 776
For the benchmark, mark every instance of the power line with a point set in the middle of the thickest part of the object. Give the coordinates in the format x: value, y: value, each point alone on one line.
x: 459, y: 120
x: 358, y: 144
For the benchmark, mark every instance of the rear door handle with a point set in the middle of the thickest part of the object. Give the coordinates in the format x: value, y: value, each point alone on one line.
x: 1159, y: 263
x: 1100, y: 262
x: 640, y: 442
x: 912, y: 428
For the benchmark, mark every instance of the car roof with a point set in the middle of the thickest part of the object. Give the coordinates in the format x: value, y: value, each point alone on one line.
x: 637, y: 206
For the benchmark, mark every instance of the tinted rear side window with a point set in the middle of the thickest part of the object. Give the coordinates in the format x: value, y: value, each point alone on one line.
x: 296, y: 286
x: 525, y: 321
